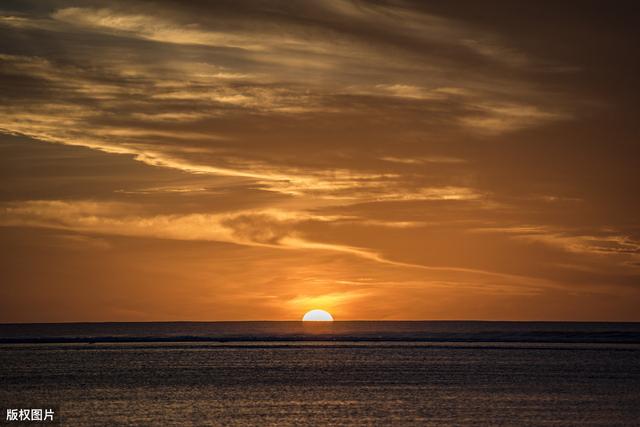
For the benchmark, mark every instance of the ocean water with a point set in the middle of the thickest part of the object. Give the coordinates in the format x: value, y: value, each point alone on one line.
x: 345, y: 373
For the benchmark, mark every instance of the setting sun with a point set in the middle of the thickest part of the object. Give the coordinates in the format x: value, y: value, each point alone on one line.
x: 317, y: 316
x: 181, y: 180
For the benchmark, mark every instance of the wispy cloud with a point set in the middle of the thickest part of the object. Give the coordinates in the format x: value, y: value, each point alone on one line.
x: 269, y: 227
x: 422, y: 144
x: 149, y: 27
x: 607, y: 246
x: 207, y: 107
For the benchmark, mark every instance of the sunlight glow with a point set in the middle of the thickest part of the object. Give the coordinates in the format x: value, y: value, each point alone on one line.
x: 317, y: 316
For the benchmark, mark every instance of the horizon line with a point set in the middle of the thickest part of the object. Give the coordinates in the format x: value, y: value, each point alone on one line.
x: 327, y: 322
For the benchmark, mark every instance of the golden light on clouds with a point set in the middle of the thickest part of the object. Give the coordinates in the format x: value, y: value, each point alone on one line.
x: 381, y: 160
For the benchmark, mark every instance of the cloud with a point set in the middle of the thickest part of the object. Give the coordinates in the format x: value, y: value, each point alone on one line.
x: 604, y: 250
x: 221, y: 93
x: 498, y: 118
x: 148, y: 27
x: 269, y: 227
x: 422, y: 160
x: 611, y: 244
x: 421, y: 140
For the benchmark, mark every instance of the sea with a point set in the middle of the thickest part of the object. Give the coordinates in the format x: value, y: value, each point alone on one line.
x: 365, y: 373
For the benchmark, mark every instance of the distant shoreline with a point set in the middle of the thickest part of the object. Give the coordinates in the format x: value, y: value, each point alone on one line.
x: 347, y: 331
x: 155, y: 322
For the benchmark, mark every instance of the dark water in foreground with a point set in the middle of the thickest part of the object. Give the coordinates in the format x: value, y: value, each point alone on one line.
x: 348, y: 373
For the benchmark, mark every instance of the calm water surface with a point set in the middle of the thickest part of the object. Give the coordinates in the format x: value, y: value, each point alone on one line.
x: 416, y: 380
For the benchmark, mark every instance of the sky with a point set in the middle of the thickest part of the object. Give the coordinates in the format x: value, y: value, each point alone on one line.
x: 253, y: 160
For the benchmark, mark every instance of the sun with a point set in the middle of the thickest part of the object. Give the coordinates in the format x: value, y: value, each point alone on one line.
x: 317, y: 316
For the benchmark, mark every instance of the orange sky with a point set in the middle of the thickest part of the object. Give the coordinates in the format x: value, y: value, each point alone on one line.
x: 379, y: 160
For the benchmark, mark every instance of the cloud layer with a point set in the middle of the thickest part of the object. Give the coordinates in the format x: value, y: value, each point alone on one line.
x: 419, y: 149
